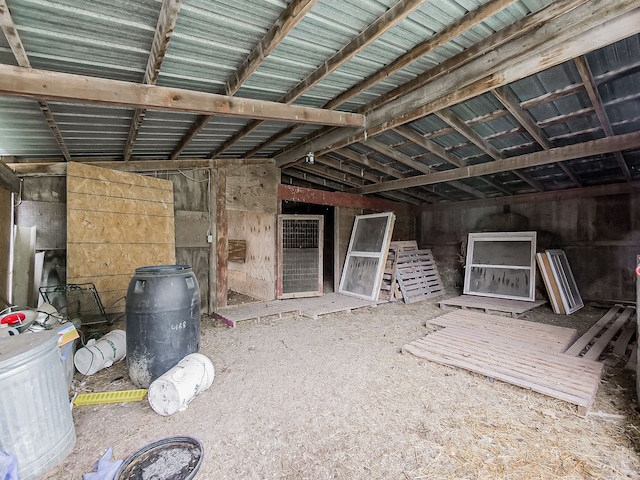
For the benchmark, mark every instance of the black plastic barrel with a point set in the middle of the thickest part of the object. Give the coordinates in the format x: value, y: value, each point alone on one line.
x: 162, y: 320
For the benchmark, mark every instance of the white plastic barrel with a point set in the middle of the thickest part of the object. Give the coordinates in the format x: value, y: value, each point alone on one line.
x: 175, y: 389
x: 102, y: 353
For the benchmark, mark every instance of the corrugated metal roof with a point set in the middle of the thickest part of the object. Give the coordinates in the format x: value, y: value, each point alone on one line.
x: 24, y: 131
x: 104, y: 39
x: 213, y: 37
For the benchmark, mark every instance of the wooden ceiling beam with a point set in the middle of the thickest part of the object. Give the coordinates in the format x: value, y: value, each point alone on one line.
x: 350, y: 169
x: 44, y: 168
x: 286, y: 22
x: 529, y: 24
x: 440, y: 152
x: 466, y: 131
x: 538, y: 197
x: 327, y: 172
x: 41, y: 84
x: 8, y: 179
x: 164, y: 29
x: 13, y: 38
x: 559, y: 154
x: 594, y: 96
x: 396, y: 155
x: 289, y: 19
x: 468, y: 21
x: 337, y: 199
x: 462, y: 25
x: 379, y: 27
x: 409, y: 162
x: 589, y: 26
x: 388, y: 170
x: 362, y: 159
x: 506, y: 96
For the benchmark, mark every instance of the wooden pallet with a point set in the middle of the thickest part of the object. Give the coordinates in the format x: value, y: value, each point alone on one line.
x: 618, y: 321
x: 312, y: 307
x: 488, y: 304
x: 389, y: 290
x: 557, y: 375
x: 418, y: 276
x: 552, y: 337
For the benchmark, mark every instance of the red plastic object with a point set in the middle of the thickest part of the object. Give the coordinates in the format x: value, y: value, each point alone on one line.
x: 13, y: 318
x: 638, y: 270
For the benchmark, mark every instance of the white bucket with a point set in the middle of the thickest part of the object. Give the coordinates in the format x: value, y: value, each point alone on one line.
x: 100, y: 354
x: 174, y: 390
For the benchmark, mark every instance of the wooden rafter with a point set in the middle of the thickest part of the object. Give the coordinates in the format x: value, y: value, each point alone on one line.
x: 40, y: 84
x: 13, y: 38
x: 463, y: 129
x: 285, y: 23
x: 362, y: 159
x: 439, y: 151
x: 356, y: 171
x: 560, y: 154
x: 506, y: 96
x: 348, y: 173
x: 410, y: 162
x: 383, y: 24
x: 584, y: 28
x: 596, y: 101
x: 513, y: 32
x: 164, y: 29
x: 468, y: 21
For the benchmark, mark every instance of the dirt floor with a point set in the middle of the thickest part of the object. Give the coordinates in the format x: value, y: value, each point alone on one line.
x: 334, y: 398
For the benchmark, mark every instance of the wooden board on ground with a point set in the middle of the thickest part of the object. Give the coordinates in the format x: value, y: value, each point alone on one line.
x: 557, y: 375
x: 309, y: 307
x: 487, y: 304
x: 418, y: 275
x: 593, y: 343
x: 556, y: 339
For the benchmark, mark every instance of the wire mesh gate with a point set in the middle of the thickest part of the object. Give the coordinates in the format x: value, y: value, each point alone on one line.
x: 300, y: 244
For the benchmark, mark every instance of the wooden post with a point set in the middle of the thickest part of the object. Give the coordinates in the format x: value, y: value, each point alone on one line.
x: 222, y: 236
x: 637, y: 271
x: 213, y: 245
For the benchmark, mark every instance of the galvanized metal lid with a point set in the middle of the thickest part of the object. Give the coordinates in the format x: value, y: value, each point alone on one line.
x: 18, y: 348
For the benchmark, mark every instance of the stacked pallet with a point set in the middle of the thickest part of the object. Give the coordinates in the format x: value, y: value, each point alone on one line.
x: 389, y: 289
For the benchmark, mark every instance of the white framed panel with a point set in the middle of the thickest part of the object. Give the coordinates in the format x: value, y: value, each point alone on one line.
x: 569, y: 293
x: 366, y: 255
x: 501, y: 265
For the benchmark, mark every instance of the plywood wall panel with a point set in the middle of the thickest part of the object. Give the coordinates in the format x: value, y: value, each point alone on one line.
x: 110, y: 189
x: 81, y: 201
x: 258, y: 270
x: 114, y: 227
x: 253, y: 188
x: 98, y: 259
x: 110, y: 231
